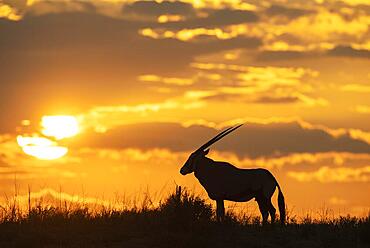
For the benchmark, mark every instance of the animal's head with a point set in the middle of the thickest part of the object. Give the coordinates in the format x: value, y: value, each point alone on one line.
x: 194, y: 158
x: 192, y: 161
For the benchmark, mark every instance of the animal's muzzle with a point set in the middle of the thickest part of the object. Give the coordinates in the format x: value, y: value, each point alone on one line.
x: 183, y: 172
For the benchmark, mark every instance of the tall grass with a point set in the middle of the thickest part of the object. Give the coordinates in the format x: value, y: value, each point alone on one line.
x: 182, y: 219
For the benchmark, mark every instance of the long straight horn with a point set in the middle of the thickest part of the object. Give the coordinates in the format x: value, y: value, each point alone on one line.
x: 218, y: 137
x: 211, y: 141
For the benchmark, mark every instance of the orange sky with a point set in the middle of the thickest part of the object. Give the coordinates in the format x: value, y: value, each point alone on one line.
x: 141, y: 84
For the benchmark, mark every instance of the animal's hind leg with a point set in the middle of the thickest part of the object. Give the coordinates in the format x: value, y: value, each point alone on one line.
x: 220, y: 211
x: 263, y: 206
x: 272, y: 211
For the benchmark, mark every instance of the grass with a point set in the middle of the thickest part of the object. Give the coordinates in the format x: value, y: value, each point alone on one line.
x: 180, y: 220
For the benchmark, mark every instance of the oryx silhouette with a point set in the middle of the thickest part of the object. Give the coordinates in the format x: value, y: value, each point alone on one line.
x: 223, y: 181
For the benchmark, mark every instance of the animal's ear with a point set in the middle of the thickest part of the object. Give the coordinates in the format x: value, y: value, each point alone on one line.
x: 206, y: 152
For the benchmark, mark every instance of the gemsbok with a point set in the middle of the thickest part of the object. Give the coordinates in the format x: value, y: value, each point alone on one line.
x: 223, y: 181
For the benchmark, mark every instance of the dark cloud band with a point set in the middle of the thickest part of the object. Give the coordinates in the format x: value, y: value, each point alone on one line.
x: 252, y: 140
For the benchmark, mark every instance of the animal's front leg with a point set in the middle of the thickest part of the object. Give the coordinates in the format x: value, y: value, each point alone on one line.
x: 262, y: 204
x: 220, y: 211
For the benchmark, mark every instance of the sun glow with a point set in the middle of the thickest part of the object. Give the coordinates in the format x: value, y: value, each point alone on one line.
x: 56, y: 127
x: 60, y: 126
x: 41, y: 148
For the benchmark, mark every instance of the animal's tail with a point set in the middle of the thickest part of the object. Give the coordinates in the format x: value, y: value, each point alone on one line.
x: 281, y: 203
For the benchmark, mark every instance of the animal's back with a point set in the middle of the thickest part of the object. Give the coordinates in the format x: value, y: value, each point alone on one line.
x: 233, y: 172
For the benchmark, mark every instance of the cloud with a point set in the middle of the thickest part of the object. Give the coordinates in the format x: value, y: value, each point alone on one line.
x: 143, y: 9
x: 314, y: 34
x: 334, y: 175
x: 258, y: 96
x: 348, y: 51
x: 281, y: 55
x: 262, y: 85
x: 252, y: 140
x: 274, y: 100
x: 48, y: 7
x: 362, y: 109
x: 202, y: 35
x: 102, y: 118
x: 193, y: 18
x: 218, y: 18
x: 337, y: 51
x: 267, y: 98
x: 8, y: 12
x: 356, y: 88
x: 170, y: 81
x: 327, y: 25
x: 361, y: 3
x: 280, y: 10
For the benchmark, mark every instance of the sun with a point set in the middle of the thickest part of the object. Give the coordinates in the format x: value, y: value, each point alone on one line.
x: 44, y: 143
x: 60, y: 126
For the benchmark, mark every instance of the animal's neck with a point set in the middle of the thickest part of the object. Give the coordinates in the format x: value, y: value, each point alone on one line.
x: 202, y: 165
